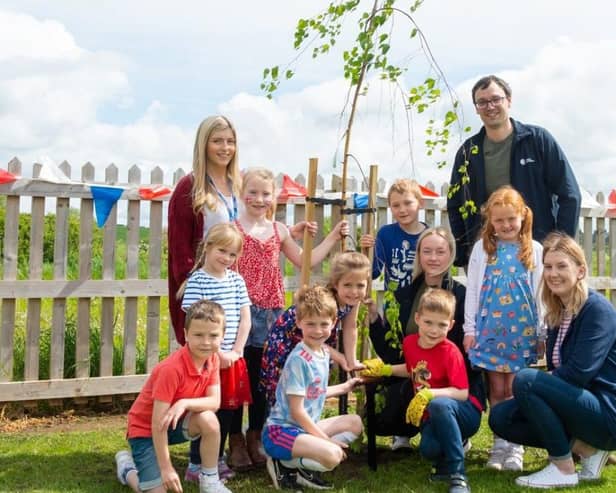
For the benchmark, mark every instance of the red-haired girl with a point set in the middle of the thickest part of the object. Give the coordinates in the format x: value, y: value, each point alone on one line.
x: 501, y: 323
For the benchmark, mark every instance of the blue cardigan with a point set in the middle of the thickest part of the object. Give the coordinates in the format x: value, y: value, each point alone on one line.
x: 588, y: 353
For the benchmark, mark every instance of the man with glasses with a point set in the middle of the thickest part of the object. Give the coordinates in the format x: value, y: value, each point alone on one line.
x: 507, y: 152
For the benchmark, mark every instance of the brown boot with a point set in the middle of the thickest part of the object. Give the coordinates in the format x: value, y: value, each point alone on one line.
x: 239, y: 460
x: 254, y: 445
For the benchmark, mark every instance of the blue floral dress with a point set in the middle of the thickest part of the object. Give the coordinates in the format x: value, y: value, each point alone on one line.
x: 506, y: 322
x: 283, y: 336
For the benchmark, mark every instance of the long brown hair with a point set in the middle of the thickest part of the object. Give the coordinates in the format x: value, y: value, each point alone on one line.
x: 554, y: 307
x: 507, y: 196
x: 202, y: 191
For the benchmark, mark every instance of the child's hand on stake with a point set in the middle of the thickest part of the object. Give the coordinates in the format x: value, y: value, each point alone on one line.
x: 366, y: 241
x: 417, y: 406
x: 343, y: 229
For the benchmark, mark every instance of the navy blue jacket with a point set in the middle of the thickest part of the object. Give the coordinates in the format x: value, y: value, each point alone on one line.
x: 539, y: 171
x: 588, y: 353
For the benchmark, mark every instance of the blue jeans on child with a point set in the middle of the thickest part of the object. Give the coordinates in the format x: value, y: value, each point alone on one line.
x: 548, y: 412
x: 145, y: 457
x: 261, y: 319
x: 450, y: 422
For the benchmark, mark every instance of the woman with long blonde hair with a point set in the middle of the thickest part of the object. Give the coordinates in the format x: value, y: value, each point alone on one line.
x: 202, y: 198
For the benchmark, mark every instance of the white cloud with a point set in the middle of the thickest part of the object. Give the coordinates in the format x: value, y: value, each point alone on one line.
x: 52, y: 99
x: 24, y: 38
x: 61, y: 90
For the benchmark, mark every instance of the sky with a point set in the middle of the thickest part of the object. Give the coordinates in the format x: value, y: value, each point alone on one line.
x: 129, y: 82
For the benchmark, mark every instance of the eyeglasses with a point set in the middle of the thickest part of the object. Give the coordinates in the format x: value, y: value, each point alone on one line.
x: 482, y: 104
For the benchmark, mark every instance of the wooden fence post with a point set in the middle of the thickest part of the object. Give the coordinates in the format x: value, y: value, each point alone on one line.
x: 307, y: 247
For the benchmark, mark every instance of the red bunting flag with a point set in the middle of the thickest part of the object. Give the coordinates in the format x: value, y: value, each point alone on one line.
x: 6, y: 177
x: 290, y: 189
x: 151, y: 192
x: 427, y: 193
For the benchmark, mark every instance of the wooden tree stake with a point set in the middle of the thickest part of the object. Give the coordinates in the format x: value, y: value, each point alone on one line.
x: 307, y: 246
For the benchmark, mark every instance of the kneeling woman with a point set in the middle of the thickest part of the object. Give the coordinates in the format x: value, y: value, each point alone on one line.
x: 572, y: 407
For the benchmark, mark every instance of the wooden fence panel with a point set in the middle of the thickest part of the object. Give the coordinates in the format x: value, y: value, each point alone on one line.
x: 132, y: 272
x: 108, y: 303
x: 152, y: 346
x: 10, y: 248
x: 82, y: 336
x: 33, y: 316
x: 127, y: 293
x: 60, y: 261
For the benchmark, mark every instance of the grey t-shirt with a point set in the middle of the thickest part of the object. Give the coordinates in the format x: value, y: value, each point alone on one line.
x: 497, y: 157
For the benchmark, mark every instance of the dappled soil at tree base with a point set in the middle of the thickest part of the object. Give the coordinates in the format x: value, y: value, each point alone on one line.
x: 22, y: 420
x: 64, y: 422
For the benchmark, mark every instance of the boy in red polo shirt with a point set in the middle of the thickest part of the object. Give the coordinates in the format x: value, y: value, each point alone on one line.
x: 178, y: 403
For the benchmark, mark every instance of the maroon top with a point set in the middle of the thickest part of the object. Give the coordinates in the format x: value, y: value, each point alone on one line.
x: 184, y: 232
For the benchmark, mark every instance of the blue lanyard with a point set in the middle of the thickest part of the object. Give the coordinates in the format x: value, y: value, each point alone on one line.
x: 232, y: 213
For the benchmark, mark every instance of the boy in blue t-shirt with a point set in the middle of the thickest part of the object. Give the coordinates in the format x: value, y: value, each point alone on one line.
x: 394, y: 247
x: 298, y: 443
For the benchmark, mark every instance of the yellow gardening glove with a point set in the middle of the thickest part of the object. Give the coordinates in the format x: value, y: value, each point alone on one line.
x: 417, y: 406
x: 375, y: 368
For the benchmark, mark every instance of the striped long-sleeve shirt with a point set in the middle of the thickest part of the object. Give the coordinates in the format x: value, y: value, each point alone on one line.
x: 230, y: 292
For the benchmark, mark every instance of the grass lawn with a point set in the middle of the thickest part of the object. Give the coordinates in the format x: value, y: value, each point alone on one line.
x: 76, y: 455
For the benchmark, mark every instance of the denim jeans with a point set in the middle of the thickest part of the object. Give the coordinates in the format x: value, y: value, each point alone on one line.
x: 548, y: 412
x: 450, y: 422
x: 261, y: 319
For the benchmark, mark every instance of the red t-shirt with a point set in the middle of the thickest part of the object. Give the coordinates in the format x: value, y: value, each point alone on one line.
x: 172, y: 379
x: 438, y: 367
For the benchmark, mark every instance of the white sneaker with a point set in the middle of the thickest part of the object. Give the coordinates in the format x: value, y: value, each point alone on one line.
x: 124, y: 465
x: 514, y: 459
x: 497, y: 454
x: 400, y: 442
x: 206, y: 485
x: 549, y: 477
x: 593, y: 465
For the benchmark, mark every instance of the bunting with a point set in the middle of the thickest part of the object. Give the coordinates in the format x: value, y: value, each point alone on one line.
x: 290, y: 189
x: 6, y: 177
x: 104, y: 200
x: 152, y: 192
